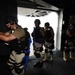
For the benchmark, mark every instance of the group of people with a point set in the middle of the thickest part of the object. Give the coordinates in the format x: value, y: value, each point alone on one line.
x: 42, y: 37
x: 18, y: 40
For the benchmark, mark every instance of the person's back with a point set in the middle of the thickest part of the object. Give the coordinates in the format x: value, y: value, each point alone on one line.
x: 25, y: 40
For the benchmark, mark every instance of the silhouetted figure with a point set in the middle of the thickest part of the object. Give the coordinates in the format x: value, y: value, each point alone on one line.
x: 49, y: 42
x: 38, y: 41
x: 69, y: 43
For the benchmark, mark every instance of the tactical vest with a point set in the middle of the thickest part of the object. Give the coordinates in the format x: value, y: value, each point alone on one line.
x: 18, y: 46
x: 71, y: 31
x: 48, y: 35
x: 37, y: 36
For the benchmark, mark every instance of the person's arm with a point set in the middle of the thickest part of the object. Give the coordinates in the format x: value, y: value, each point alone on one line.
x: 4, y: 33
x: 52, y: 32
x: 42, y: 32
x: 7, y: 38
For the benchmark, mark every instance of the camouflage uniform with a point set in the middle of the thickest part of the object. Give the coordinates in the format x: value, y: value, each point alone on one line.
x: 49, y: 42
x: 15, y: 60
x: 69, y: 42
x: 38, y: 41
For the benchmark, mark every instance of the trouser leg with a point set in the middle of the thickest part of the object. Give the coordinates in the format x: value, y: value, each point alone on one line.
x: 45, y: 55
x: 38, y: 56
x: 48, y: 55
x: 71, y: 54
x: 15, y: 64
x: 51, y: 55
x: 64, y: 56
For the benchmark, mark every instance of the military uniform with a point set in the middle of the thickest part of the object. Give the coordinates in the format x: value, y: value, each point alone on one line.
x: 15, y: 60
x: 38, y: 41
x: 69, y: 43
x: 49, y: 43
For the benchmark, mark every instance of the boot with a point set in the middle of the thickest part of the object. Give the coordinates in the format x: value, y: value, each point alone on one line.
x: 64, y: 56
x: 39, y: 63
x: 50, y: 55
x: 71, y: 55
x: 45, y: 57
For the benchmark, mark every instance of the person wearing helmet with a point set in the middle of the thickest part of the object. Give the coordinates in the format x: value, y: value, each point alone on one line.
x: 49, y: 42
x: 13, y: 37
x: 38, y: 41
x: 69, y: 47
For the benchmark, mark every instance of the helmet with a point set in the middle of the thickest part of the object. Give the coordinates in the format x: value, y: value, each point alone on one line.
x: 11, y: 20
x: 47, y: 24
x: 37, y: 21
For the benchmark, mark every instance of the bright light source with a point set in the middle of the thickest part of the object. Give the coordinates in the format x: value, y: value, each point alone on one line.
x: 28, y: 22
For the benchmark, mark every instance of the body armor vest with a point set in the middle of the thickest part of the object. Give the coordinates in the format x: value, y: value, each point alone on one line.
x: 17, y: 45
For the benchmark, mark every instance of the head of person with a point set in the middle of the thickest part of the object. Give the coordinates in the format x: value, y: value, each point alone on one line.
x: 11, y: 23
x: 37, y: 22
x: 25, y: 28
x: 47, y: 25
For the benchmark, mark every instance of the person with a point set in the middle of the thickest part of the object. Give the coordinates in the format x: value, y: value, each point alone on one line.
x: 26, y: 44
x: 49, y: 42
x: 69, y: 43
x: 38, y: 41
x: 13, y: 37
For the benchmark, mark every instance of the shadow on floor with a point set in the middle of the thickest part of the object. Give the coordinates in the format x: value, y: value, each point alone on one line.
x: 56, y: 67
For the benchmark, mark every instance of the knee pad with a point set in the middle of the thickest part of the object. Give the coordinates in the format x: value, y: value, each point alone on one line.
x: 37, y: 55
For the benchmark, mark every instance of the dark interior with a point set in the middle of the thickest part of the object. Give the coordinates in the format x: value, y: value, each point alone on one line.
x: 58, y: 66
